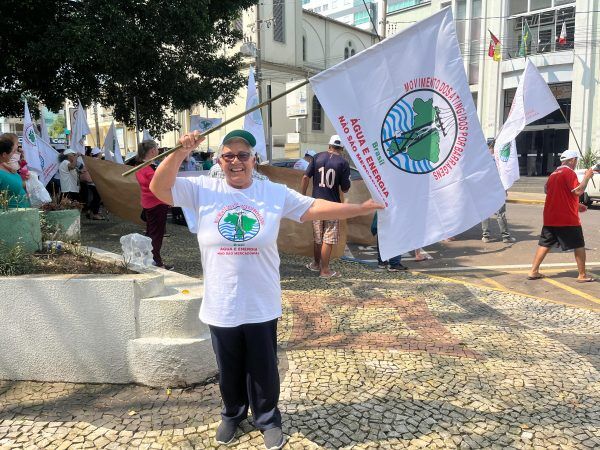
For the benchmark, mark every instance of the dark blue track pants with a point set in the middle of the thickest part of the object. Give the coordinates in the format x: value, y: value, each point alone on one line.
x: 248, y: 375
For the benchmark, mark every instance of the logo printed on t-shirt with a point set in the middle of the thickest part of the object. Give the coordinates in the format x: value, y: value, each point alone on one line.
x: 239, y: 224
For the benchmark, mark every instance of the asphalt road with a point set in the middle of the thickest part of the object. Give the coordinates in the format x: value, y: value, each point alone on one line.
x: 468, y: 260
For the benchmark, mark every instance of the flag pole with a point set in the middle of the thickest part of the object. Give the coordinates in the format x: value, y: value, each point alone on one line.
x: 221, y: 125
x: 572, y: 132
x: 575, y: 139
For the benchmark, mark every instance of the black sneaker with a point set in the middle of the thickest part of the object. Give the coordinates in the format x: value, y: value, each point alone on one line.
x: 164, y: 266
x: 226, y: 432
x: 273, y: 438
x: 397, y: 268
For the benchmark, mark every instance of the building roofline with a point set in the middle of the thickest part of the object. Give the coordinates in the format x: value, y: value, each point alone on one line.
x: 337, y: 22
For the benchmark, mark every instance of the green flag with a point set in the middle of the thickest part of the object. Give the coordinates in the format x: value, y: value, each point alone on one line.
x: 525, y: 39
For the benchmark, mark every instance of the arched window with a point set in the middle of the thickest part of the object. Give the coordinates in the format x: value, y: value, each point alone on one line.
x: 349, y: 50
x: 317, y: 115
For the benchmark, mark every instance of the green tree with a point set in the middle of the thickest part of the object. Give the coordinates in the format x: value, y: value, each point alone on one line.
x: 168, y: 54
x: 57, y: 128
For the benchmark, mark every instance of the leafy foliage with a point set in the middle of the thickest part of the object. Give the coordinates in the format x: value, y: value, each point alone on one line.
x: 589, y: 159
x: 166, y: 53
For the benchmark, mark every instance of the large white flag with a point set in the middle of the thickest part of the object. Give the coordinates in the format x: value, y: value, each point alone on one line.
x: 533, y: 100
x: 112, y: 150
x: 30, y: 147
x: 405, y: 112
x: 253, y: 122
x: 79, y: 130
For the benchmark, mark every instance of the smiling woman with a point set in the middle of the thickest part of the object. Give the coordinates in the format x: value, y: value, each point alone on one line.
x: 238, y: 224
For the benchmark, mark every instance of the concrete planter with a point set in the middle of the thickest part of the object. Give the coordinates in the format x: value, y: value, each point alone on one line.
x: 66, y: 223
x: 21, y: 225
x: 134, y: 328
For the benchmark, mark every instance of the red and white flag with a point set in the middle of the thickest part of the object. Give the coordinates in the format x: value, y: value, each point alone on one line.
x: 562, y: 39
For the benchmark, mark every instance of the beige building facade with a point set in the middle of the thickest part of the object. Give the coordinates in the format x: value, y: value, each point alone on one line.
x: 571, y: 69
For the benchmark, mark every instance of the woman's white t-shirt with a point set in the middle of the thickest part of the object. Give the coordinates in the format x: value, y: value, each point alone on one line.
x: 237, y: 234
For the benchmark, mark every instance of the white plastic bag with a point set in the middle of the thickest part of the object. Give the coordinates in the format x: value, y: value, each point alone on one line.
x: 38, y: 195
x: 137, y: 249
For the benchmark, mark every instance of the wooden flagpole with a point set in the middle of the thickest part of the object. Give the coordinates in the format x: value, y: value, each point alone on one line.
x: 221, y: 125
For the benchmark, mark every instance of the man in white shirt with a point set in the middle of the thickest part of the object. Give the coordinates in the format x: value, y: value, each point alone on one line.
x: 303, y: 163
x: 69, y: 181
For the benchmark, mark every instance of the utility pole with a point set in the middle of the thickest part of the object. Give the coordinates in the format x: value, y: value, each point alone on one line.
x: 137, y: 137
x: 384, y: 19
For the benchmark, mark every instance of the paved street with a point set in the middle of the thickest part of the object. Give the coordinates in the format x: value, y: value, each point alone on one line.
x: 373, y: 360
x: 505, y: 267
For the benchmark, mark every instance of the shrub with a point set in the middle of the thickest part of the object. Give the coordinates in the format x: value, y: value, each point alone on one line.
x: 15, y: 260
x: 588, y: 159
x: 64, y: 203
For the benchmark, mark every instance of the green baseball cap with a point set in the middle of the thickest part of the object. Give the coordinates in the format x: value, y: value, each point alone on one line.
x: 240, y: 134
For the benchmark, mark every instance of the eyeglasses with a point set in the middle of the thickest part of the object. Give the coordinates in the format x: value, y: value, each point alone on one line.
x: 241, y: 156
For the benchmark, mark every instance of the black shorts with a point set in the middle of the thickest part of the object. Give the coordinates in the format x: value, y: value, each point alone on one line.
x: 569, y: 238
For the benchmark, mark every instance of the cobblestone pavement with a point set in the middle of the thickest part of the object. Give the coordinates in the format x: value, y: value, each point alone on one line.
x: 373, y: 360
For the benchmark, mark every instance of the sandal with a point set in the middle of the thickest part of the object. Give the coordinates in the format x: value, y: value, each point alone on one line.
x: 585, y: 280
x: 539, y: 276
x: 333, y: 274
x: 312, y: 268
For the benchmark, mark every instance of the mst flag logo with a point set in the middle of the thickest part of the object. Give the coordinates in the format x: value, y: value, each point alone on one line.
x: 239, y: 224
x: 30, y: 134
x: 419, y: 131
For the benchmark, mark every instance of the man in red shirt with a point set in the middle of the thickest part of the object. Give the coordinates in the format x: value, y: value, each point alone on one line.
x: 561, y: 216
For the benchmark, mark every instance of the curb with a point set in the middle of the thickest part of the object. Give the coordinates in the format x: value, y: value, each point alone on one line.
x: 525, y: 201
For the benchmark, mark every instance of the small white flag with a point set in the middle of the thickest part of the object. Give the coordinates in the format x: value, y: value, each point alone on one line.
x: 79, y: 130
x: 48, y: 161
x: 112, y: 150
x: 146, y: 136
x: 253, y: 122
x: 202, y: 124
x: 30, y: 147
x: 533, y: 100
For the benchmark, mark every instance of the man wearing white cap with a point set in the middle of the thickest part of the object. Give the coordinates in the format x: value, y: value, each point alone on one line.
x: 561, y: 216
x: 69, y: 181
x: 330, y: 173
x: 303, y: 163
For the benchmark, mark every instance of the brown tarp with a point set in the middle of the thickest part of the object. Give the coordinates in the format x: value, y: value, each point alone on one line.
x: 121, y: 196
